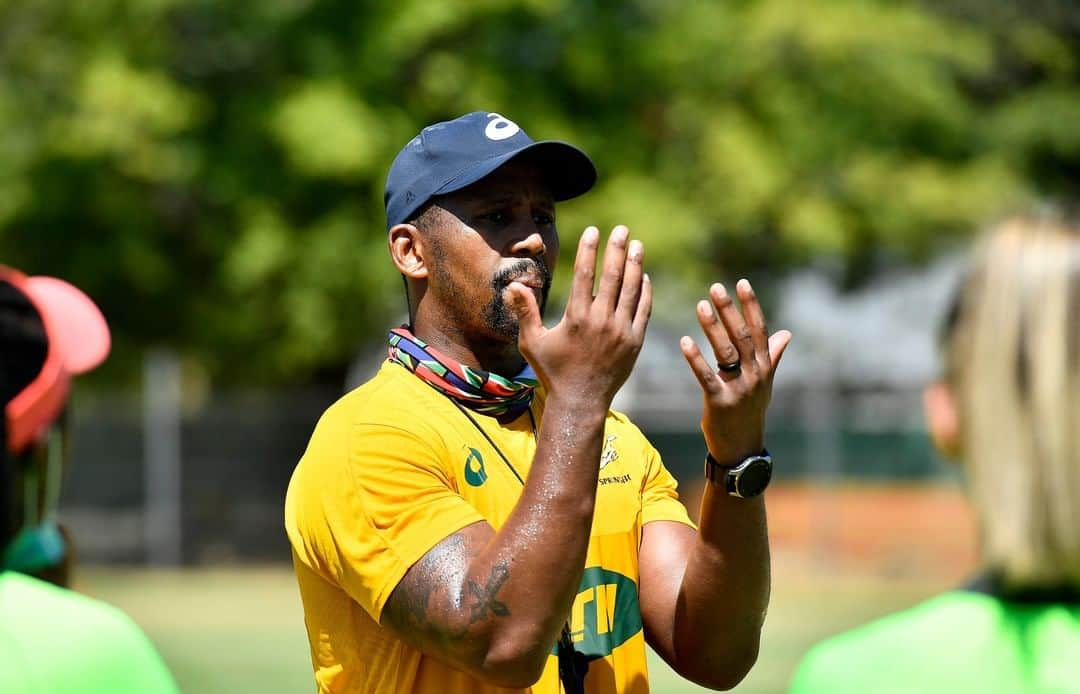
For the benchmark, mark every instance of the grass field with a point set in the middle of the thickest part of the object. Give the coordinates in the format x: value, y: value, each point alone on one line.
x: 240, y: 629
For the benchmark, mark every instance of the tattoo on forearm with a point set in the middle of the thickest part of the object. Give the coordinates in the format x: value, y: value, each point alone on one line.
x: 422, y: 604
x: 484, y: 598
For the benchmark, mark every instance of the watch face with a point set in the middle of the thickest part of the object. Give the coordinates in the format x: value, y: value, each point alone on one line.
x: 754, y: 477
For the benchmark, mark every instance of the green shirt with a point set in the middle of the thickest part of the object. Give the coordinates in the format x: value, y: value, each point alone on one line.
x: 960, y: 641
x: 55, y: 641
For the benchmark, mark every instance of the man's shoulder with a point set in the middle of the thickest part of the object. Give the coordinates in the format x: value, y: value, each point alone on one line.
x: 382, y: 398
x: 393, y: 402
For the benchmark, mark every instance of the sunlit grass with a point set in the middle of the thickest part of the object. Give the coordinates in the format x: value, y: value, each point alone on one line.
x: 241, y: 629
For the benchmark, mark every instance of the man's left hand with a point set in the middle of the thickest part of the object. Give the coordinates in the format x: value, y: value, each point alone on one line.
x: 738, y: 387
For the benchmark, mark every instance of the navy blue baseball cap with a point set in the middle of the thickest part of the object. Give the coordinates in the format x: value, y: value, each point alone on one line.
x: 451, y: 155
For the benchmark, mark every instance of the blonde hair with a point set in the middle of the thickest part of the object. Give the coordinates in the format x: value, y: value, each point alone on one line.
x: 1013, y: 361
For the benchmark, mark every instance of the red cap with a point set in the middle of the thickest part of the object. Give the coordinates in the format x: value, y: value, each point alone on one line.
x: 78, y: 341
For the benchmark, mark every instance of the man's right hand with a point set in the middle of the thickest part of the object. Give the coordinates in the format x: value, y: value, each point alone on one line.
x: 593, y: 348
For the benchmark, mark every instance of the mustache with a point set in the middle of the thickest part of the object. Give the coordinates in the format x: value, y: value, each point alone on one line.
x: 525, y: 266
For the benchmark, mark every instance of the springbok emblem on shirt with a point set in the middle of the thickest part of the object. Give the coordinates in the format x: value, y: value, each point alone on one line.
x: 608, y: 454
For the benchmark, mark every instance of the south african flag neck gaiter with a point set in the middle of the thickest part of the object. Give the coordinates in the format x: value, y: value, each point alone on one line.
x: 485, y: 392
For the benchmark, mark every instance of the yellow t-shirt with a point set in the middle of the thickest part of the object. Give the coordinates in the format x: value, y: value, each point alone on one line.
x: 392, y: 469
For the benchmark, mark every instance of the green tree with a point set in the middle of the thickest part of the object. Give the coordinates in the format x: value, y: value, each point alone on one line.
x: 212, y: 172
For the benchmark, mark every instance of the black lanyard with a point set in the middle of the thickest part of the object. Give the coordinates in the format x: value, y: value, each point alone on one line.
x: 573, y: 666
x: 488, y: 438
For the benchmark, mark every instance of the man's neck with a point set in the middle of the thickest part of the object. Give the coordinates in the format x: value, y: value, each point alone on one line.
x: 481, y: 352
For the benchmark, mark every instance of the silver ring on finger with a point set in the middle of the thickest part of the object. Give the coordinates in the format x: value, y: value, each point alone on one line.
x: 733, y: 368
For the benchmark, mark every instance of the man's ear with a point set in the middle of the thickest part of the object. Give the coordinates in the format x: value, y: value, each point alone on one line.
x: 407, y: 250
x: 942, y: 418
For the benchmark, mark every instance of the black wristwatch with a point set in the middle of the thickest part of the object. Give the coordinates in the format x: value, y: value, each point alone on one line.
x: 747, y: 479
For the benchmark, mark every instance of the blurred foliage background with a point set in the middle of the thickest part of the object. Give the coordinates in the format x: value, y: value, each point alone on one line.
x: 212, y: 172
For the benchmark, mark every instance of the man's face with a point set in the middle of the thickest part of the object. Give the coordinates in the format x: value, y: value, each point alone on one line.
x: 497, y: 231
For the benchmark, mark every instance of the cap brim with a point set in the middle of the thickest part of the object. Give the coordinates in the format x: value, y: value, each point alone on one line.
x: 568, y: 172
x: 74, y: 323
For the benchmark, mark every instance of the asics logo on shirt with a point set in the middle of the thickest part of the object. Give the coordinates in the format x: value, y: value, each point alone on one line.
x: 475, y: 474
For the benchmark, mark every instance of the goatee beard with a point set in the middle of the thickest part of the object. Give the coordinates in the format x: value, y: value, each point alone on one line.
x: 497, y: 314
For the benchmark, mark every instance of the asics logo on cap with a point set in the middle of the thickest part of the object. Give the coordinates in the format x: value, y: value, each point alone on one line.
x: 500, y: 128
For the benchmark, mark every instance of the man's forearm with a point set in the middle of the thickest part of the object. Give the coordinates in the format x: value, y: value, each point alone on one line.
x: 493, y: 603
x: 546, y: 537
x: 725, y: 591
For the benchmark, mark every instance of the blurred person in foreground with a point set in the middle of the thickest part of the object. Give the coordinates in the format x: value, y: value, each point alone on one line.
x: 1008, y: 408
x: 475, y: 518
x: 52, y: 640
